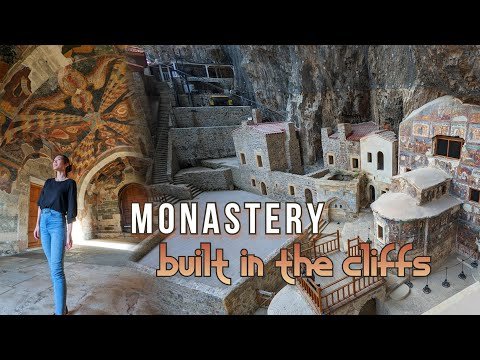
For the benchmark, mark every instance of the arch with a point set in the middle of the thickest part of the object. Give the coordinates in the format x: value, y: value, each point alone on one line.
x: 335, y: 209
x: 264, y: 188
x: 133, y: 192
x: 85, y: 180
x: 380, y: 164
x: 369, y: 308
x: 372, y: 193
x: 308, y: 196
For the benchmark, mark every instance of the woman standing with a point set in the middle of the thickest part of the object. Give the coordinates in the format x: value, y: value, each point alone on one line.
x: 57, y: 199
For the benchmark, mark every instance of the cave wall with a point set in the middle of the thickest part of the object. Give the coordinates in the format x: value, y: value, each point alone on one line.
x: 317, y: 86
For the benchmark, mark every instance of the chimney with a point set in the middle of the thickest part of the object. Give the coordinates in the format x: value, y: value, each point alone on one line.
x: 344, y: 129
x: 257, y: 116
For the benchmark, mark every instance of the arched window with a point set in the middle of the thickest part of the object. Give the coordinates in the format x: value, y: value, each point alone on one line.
x: 380, y: 160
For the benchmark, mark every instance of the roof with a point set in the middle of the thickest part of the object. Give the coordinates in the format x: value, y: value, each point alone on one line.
x: 424, y: 178
x: 384, y: 134
x: 358, y: 131
x: 402, y: 207
x: 270, y: 127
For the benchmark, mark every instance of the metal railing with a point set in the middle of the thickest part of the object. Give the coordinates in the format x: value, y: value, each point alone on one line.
x: 185, y: 76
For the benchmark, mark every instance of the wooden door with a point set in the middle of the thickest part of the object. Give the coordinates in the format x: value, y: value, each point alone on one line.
x: 32, y: 214
x: 128, y: 195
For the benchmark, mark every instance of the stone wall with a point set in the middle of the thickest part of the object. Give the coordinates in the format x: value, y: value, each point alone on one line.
x: 194, y: 144
x: 209, y: 116
x: 278, y: 184
x: 280, y: 151
x: 210, y: 179
x: 14, y: 214
x: 435, y: 237
x: 341, y: 149
x: 447, y: 116
x: 178, y: 299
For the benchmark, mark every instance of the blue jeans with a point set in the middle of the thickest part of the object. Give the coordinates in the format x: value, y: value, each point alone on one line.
x: 53, y: 234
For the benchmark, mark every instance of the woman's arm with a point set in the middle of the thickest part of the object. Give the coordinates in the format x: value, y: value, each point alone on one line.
x: 69, y: 242
x: 71, y: 213
x: 36, y: 232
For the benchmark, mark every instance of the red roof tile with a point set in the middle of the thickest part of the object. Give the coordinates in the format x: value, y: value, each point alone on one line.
x: 358, y: 131
x: 271, y: 127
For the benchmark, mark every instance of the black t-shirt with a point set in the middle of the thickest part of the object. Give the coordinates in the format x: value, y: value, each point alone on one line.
x: 60, y: 196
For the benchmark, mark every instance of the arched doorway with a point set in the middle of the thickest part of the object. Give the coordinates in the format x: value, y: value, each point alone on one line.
x: 308, y: 196
x: 372, y: 193
x: 264, y: 188
x: 370, y: 308
x: 131, y: 193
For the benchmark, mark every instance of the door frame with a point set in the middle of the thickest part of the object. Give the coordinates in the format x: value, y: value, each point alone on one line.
x: 37, y: 182
x: 120, y: 193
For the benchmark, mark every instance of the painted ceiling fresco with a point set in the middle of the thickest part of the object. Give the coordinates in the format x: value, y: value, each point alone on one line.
x: 83, y: 110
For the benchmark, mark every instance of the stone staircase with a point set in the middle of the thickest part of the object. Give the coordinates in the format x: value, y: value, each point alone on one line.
x: 161, y: 150
x: 179, y: 179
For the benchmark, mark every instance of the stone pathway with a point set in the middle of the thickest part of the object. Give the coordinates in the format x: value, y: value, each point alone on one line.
x: 99, y: 281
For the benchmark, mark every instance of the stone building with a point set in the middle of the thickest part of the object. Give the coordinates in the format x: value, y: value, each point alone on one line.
x: 379, y: 160
x: 341, y: 149
x: 445, y: 133
x: 268, y: 146
x: 418, y: 209
x: 87, y: 102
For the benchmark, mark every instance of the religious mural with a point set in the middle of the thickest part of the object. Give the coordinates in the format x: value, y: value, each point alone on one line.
x: 84, y: 110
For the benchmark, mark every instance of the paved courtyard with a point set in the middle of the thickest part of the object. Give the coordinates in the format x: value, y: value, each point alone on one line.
x: 99, y: 282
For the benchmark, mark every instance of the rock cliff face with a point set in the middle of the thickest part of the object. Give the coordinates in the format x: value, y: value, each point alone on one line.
x: 318, y: 86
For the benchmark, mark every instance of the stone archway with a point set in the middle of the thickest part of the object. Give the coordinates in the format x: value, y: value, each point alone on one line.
x: 369, y: 308
x: 102, y: 213
x: 336, y: 209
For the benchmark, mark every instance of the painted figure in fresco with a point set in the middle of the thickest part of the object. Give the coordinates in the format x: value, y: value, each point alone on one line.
x: 57, y: 210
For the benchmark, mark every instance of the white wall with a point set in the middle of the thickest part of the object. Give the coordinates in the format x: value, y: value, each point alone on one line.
x: 374, y: 144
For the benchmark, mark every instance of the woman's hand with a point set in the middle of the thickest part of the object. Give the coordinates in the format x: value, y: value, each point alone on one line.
x: 68, y: 243
x: 36, y: 232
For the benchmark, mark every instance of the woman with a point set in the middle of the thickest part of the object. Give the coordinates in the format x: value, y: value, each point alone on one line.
x: 57, y: 199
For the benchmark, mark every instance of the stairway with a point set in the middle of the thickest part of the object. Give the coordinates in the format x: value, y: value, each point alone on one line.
x: 161, y: 150
x: 179, y: 179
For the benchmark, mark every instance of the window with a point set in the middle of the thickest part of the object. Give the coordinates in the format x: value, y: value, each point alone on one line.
x: 474, y: 195
x: 408, y: 169
x: 355, y: 163
x: 330, y: 160
x: 380, y: 232
x: 448, y: 147
x: 444, y: 189
x: 291, y: 190
x: 264, y: 188
x: 383, y: 192
x: 242, y: 158
x: 369, y: 157
x: 254, y: 183
x: 379, y: 160
x: 259, y: 161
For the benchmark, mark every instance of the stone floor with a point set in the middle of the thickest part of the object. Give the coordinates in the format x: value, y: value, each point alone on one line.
x: 99, y: 281
x: 417, y: 302
x: 263, y: 246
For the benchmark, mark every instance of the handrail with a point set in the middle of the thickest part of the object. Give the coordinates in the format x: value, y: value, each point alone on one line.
x: 282, y: 114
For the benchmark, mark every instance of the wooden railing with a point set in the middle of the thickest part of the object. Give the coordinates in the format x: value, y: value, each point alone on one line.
x: 353, y: 246
x: 351, y: 289
x: 324, y: 300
